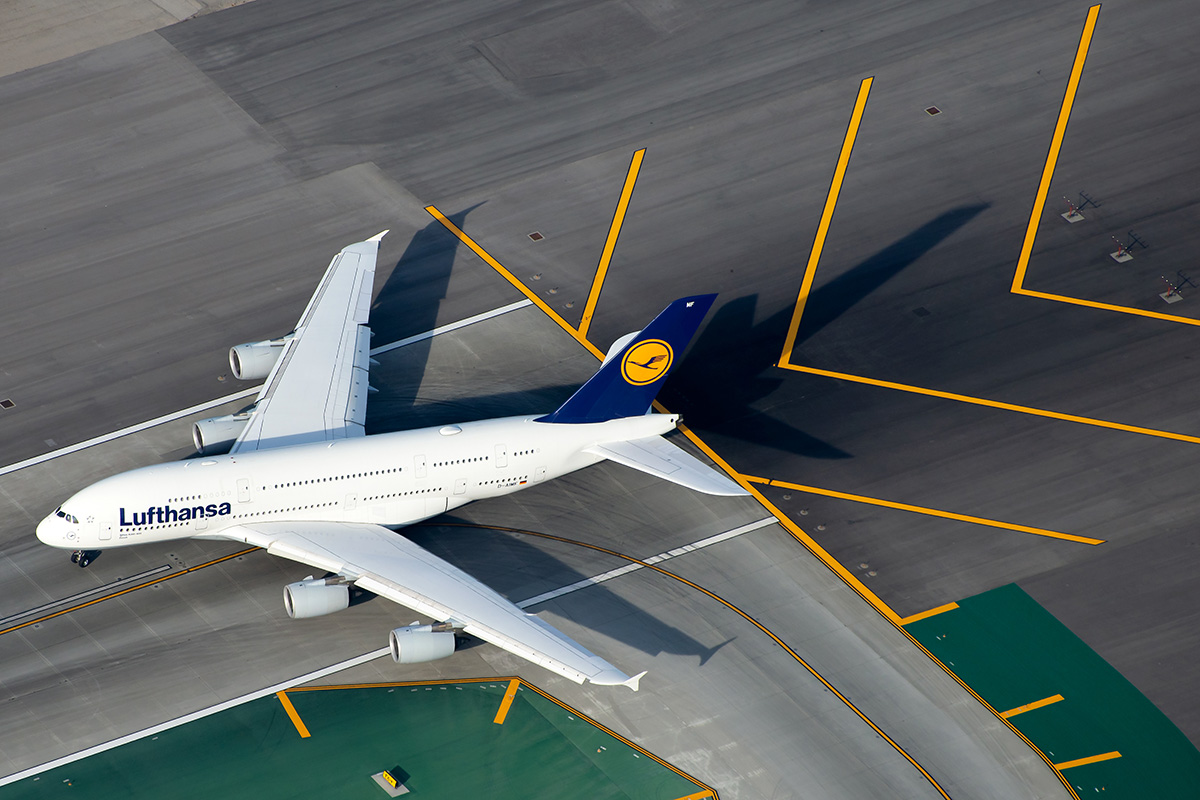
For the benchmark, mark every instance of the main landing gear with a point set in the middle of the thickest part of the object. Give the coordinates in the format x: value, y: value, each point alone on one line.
x: 84, y: 557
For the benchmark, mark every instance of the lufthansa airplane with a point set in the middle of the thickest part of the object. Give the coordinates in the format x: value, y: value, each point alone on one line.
x: 297, y: 477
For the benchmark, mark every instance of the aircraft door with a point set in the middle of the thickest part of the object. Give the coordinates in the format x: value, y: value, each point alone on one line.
x: 460, y: 486
x: 539, y: 473
x: 501, y: 456
x: 351, y: 501
x: 243, y: 486
x: 419, y: 466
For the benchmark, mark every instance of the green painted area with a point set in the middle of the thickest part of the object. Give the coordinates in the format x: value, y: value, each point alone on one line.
x: 442, y: 735
x: 1013, y: 652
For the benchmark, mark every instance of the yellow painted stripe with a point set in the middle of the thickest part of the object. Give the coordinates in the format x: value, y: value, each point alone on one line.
x: 1107, y: 306
x: 981, y: 401
x: 1045, y: 701
x: 1079, y: 762
x: 610, y: 243
x: 127, y: 590
x: 795, y: 530
x: 699, y: 795
x: 932, y: 512
x: 291, y: 712
x: 507, y: 702
x: 787, y: 648
x: 1060, y: 130
x: 496, y: 265
x: 839, y: 174
x: 933, y: 612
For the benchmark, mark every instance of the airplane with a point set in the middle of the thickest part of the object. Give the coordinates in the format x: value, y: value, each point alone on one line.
x: 295, y: 474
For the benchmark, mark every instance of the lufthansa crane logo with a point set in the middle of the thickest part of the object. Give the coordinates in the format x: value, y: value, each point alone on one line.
x: 646, y: 362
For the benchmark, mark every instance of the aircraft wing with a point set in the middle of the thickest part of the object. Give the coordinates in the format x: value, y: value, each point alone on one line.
x: 317, y: 389
x: 386, y: 563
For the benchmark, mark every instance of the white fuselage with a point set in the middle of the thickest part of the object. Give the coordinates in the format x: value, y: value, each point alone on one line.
x: 391, y: 479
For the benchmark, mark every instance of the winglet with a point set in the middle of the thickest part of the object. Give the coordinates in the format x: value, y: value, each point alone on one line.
x: 632, y: 683
x: 379, y: 235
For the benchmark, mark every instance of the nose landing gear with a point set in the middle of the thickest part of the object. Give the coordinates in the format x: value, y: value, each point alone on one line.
x: 84, y: 557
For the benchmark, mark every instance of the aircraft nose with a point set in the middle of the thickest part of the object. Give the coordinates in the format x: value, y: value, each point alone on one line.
x: 47, y: 533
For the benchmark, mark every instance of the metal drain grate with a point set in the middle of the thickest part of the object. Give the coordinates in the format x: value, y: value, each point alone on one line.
x: 6, y: 403
x: 933, y: 111
x: 537, y: 237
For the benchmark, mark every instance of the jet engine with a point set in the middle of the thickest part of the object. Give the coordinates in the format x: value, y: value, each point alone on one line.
x: 216, y: 435
x: 253, y: 360
x: 315, y: 598
x: 417, y: 643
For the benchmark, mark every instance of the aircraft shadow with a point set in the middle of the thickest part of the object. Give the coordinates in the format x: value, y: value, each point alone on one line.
x: 728, y: 375
x: 517, y: 569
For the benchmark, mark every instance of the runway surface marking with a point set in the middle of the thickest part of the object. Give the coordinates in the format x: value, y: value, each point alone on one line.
x: 1039, y: 203
x: 1046, y: 701
x: 614, y: 573
x: 93, y: 602
x: 981, y: 401
x: 253, y: 390
x: 108, y: 587
x: 195, y: 715
x: 1079, y: 762
x: 506, y: 703
x: 500, y: 268
x: 931, y: 512
x: 933, y: 612
x: 707, y: 791
x: 835, y: 187
x: 610, y: 243
x: 808, y: 667
x: 301, y: 728
x: 1060, y: 130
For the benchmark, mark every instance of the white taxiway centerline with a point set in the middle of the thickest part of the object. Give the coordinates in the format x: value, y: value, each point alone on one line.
x: 364, y: 658
x: 613, y: 573
x: 229, y: 398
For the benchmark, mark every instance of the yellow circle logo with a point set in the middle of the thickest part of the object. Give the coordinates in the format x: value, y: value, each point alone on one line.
x: 646, y: 362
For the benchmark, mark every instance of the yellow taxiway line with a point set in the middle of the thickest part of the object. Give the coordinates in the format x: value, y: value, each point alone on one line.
x: 610, y: 243
x: 933, y: 612
x: 763, y: 628
x: 982, y: 401
x: 835, y: 187
x: 496, y: 265
x: 1060, y: 130
x: 1045, y: 701
x: 507, y: 702
x: 930, y: 512
x: 1079, y: 762
x: 291, y: 712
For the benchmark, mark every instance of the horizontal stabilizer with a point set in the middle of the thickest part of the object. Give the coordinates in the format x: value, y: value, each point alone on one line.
x: 656, y: 456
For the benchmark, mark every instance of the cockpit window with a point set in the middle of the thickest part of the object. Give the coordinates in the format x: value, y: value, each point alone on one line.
x: 58, y: 512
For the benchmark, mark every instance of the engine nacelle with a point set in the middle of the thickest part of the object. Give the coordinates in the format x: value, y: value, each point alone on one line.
x: 216, y: 435
x: 315, y: 598
x: 253, y: 361
x: 418, y: 643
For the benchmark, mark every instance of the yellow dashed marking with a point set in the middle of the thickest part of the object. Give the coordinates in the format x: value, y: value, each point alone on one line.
x: 507, y: 702
x: 291, y: 712
x: 1046, y: 701
x: 1079, y: 762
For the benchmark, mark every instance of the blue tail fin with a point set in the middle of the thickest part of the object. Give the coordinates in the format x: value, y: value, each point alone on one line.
x: 626, y: 384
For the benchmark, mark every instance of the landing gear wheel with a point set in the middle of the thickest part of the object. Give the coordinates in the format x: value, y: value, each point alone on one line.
x: 84, y: 560
x: 87, y: 557
x: 75, y: 556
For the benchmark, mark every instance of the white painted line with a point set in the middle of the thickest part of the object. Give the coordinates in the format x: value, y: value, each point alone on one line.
x: 229, y: 398
x: 357, y: 660
x: 614, y: 573
x: 141, y: 426
x: 453, y: 326
x: 106, y: 588
x: 237, y: 701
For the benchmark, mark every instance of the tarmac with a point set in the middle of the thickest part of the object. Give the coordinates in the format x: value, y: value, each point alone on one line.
x: 175, y: 192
